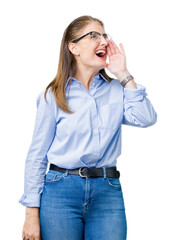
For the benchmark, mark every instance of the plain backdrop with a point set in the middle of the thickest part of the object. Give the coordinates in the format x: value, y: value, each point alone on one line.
x: 31, y: 33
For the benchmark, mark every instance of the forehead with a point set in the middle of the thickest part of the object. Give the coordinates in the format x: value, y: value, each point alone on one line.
x: 93, y: 26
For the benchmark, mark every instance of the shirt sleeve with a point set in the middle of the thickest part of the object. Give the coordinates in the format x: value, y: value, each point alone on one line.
x: 36, y: 160
x: 138, y: 110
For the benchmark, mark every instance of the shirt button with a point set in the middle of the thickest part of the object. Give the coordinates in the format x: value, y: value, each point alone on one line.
x: 93, y: 84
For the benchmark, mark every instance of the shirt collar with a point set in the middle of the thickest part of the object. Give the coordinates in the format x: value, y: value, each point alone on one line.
x: 98, y: 76
x: 101, y: 76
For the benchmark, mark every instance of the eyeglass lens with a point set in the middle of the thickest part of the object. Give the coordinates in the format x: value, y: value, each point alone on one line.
x: 97, y: 36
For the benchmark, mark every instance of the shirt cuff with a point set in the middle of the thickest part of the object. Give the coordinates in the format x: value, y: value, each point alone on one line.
x: 133, y: 94
x: 30, y: 200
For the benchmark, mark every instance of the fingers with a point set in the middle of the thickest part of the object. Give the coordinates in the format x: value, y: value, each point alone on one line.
x: 109, y: 50
x: 114, y: 49
x: 122, y: 48
x: 27, y: 236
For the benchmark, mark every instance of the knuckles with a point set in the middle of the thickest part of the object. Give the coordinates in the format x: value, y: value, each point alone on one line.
x: 30, y: 235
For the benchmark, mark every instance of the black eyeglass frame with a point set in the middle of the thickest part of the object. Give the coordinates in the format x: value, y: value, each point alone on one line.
x: 90, y: 33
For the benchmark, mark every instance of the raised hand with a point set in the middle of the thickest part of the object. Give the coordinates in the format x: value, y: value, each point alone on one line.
x: 117, y: 58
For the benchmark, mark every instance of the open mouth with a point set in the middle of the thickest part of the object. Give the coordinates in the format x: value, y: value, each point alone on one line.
x: 101, y: 54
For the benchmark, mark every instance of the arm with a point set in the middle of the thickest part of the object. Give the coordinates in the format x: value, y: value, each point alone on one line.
x: 36, y: 161
x: 138, y: 110
x: 31, y: 227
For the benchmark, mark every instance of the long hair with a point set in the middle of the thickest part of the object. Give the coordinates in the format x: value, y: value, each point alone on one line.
x: 67, y: 62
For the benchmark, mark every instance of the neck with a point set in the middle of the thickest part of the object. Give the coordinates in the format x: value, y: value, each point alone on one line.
x: 85, y: 76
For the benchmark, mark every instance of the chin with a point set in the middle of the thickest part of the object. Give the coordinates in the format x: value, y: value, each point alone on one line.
x: 102, y: 66
x: 102, y: 63
x: 97, y: 65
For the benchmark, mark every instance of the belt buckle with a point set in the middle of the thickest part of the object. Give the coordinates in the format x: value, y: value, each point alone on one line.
x: 80, y: 172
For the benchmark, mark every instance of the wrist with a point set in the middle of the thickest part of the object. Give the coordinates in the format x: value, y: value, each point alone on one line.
x: 122, y: 75
x: 32, y: 211
x: 131, y: 84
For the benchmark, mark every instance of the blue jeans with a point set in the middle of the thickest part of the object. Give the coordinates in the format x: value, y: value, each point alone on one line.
x: 82, y: 208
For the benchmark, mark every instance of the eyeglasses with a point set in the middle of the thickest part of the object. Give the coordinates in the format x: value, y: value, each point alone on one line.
x: 95, y: 36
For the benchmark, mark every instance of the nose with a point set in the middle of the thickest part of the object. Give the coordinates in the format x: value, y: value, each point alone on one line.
x: 103, y: 41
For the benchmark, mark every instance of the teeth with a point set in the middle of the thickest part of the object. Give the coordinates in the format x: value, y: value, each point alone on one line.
x: 100, y: 51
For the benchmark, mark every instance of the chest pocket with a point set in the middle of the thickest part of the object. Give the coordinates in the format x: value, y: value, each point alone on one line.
x: 111, y: 115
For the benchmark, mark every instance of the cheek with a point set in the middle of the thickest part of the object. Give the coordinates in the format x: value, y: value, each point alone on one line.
x: 88, y: 55
x: 88, y: 52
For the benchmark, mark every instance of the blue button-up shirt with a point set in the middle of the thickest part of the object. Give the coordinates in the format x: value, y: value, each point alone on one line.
x: 90, y: 137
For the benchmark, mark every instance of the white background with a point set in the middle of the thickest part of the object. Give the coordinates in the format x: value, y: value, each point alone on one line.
x: 31, y: 32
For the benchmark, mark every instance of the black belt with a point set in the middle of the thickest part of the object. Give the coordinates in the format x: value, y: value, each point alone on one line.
x: 89, y: 172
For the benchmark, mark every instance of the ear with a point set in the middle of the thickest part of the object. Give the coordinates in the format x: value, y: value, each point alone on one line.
x: 73, y: 48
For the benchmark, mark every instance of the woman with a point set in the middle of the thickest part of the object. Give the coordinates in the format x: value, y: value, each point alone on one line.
x: 78, y: 131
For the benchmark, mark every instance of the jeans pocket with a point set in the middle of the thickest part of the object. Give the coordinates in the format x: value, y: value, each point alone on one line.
x: 53, y: 176
x: 113, y: 182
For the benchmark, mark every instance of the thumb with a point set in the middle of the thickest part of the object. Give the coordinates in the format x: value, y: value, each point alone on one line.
x: 107, y: 65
